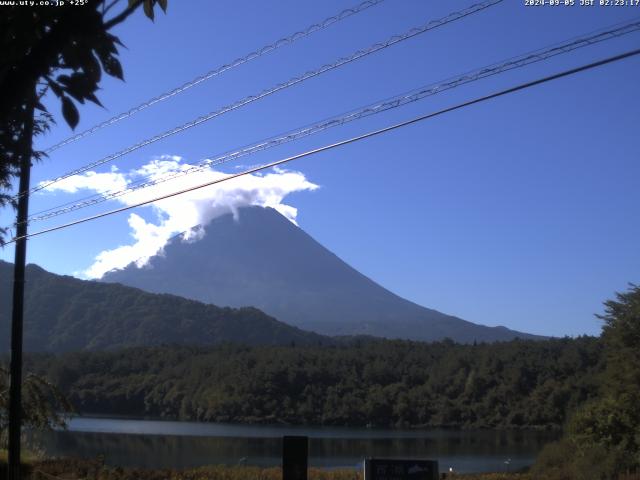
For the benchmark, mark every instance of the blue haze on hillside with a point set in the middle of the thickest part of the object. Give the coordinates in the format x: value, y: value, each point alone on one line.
x: 261, y: 259
x: 64, y: 314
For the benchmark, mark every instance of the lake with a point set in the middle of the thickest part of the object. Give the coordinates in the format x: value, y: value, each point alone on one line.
x: 166, y: 444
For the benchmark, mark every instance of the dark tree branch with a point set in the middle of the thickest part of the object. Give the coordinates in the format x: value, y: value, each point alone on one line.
x: 122, y: 16
x: 109, y: 7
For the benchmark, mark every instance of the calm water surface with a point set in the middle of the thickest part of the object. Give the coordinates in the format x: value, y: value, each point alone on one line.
x: 164, y: 444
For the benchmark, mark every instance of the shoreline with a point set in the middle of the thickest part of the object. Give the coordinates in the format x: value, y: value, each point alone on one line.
x: 267, y: 424
x: 84, y: 468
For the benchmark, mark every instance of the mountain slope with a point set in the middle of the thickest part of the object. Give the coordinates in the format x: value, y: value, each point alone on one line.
x: 63, y: 314
x: 262, y: 259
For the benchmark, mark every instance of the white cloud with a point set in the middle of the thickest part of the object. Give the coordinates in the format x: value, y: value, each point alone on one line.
x: 100, y: 182
x: 180, y: 213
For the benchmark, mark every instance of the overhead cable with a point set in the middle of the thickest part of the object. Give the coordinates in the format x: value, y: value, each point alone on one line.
x: 341, y: 143
x: 282, y: 86
x: 221, y: 69
x: 378, y: 107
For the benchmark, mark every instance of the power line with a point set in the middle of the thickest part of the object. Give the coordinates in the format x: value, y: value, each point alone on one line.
x: 221, y: 69
x: 378, y: 107
x: 282, y: 86
x: 341, y: 143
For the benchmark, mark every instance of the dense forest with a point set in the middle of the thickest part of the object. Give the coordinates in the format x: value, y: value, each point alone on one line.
x: 365, y: 382
x: 602, y: 437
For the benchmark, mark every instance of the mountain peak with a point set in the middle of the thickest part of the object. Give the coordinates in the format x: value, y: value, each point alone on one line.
x: 260, y: 258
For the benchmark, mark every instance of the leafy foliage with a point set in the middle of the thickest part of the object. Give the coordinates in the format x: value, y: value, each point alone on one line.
x: 374, y: 382
x: 603, y: 436
x: 63, y: 49
x: 43, y: 406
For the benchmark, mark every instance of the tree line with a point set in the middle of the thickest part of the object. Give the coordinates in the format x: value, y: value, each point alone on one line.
x: 602, y: 437
x: 360, y: 383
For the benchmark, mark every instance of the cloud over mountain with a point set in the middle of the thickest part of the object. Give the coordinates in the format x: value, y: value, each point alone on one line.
x: 180, y: 213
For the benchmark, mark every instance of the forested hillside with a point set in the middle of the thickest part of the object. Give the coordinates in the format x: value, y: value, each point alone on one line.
x: 64, y: 314
x: 381, y: 382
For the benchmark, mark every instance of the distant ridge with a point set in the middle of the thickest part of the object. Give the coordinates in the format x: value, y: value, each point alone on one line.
x: 263, y: 260
x: 66, y: 314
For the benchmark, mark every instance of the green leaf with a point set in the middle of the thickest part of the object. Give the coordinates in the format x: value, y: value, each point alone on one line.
x: 64, y: 79
x: 70, y: 112
x: 115, y: 40
x: 163, y: 5
x: 55, y: 88
x: 91, y: 97
x: 106, y: 45
x: 71, y: 56
x: 91, y: 66
x: 148, y: 8
x: 112, y: 67
x: 79, y: 86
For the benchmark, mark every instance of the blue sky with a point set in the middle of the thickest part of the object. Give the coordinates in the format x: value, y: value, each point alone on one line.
x: 519, y: 212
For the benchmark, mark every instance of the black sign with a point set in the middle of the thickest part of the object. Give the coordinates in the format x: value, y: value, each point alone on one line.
x: 295, y: 451
x: 395, y: 469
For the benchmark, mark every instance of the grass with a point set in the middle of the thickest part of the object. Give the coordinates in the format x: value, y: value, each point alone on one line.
x: 28, y: 456
x: 76, y: 469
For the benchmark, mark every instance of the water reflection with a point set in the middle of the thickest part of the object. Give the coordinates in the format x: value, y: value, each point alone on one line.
x: 183, y: 445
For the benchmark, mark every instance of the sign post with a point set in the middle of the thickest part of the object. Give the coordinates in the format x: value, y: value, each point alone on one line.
x: 295, y: 453
x: 396, y: 469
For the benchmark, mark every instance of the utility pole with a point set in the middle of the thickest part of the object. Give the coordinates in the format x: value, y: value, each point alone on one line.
x: 15, y: 388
